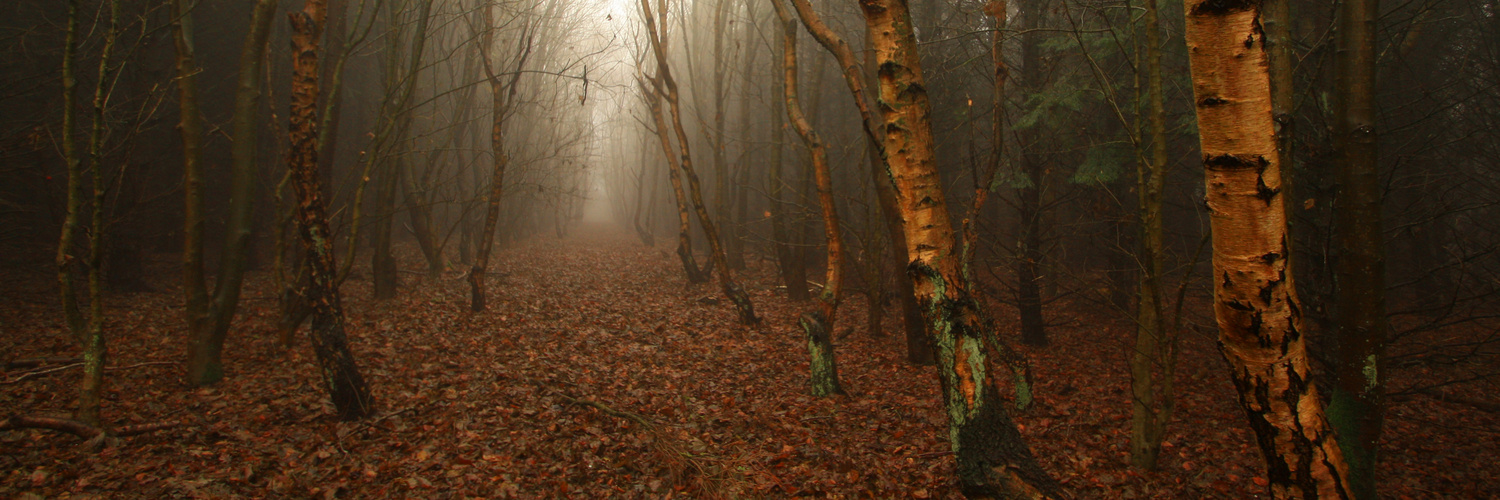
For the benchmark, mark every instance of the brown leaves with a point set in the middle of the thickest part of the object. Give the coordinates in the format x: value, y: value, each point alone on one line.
x: 474, y: 403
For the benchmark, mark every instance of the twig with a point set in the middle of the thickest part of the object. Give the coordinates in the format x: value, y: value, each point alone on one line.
x: 38, y: 373
x: 372, y: 423
x: 33, y: 374
x: 1450, y: 398
x: 131, y: 430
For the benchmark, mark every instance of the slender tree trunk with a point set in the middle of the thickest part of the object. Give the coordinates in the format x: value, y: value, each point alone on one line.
x: 793, y: 273
x: 351, y: 396
x: 1017, y: 363
x: 385, y: 275
x: 1357, y: 404
x: 492, y: 211
x: 690, y: 267
x: 384, y: 270
x: 502, y: 93
x: 328, y: 135
x: 722, y: 202
x: 1029, y: 210
x: 642, y: 201
x: 984, y: 183
x: 64, y: 259
x: 1276, y: 19
x: 727, y: 285
x: 741, y: 189
x: 807, y: 188
x: 95, y: 353
x: 417, y: 206
x: 190, y: 127
x: 992, y: 458
x: 333, y: 97
x: 918, y: 349
x: 819, y: 321
x: 1153, y: 362
x: 210, y: 316
x: 1255, y: 302
x: 419, y: 211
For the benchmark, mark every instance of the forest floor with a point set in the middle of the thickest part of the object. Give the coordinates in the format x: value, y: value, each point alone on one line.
x: 599, y: 373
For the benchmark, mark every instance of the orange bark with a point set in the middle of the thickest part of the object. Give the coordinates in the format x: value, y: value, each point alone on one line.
x: 1255, y: 303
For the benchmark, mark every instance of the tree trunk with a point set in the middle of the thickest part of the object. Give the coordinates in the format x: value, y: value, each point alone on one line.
x: 741, y: 189
x: 502, y: 93
x: 983, y: 183
x: 418, y: 209
x: 1020, y: 368
x: 190, y: 128
x: 1029, y: 210
x: 1275, y: 19
x: 64, y: 257
x: 918, y: 350
x: 95, y: 353
x: 727, y: 285
x: 690, y: 267
x: 643, y: 232
x: 1153, y: 362
x: 788, y: 259
x: 1357, y: 403
x: 210, y: 318
x: 793, y: 273
x: 492, y: 211
x: 419, y: 212
x: 385, y: 275
x: 351, y: 396
x: 1255, y: 302
x: 333, y: 98
x: 992, y: 458
x: 817, y: 323
x: 717, y: 141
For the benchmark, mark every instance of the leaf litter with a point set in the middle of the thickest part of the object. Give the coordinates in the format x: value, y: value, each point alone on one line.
x: 597, y: 372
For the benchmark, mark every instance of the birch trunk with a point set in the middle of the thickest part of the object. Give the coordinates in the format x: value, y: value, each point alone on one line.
x: 818, y: 322
x: 993, y: 460
x: 1255, y: 302
x: 727, y: 284
x: 351, y: 396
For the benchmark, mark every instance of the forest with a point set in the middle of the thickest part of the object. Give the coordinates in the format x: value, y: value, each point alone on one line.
x: 723, y: 249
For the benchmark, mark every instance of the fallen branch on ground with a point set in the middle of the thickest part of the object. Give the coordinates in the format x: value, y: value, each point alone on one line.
x: 35, y: 362
x: 372, y: 422
x: 708, y: 478
x: 33, y: 374
x: 609, y: 411
x: 81, y: 429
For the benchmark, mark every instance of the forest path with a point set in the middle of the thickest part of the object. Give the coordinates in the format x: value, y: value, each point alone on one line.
x: 484, y: 404
x: 491, y: 404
